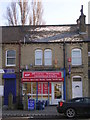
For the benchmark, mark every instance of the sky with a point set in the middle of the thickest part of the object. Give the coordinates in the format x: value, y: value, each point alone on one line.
x: 56, y: 12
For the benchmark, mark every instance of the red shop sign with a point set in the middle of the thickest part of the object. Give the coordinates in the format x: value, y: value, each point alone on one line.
x: 42, y: 80
x: 39, y: 88
x: 42, y: 76
x: 45, y: 88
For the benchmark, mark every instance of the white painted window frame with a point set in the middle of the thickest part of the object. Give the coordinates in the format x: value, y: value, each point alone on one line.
x: 77, y: 57
x: 50, y: 57
x: 38, y: 50
x: 11, y: 57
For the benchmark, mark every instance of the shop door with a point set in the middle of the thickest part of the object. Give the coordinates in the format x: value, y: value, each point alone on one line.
x: 57, y: 92
x: 9, y: 87
x: 76, y: 89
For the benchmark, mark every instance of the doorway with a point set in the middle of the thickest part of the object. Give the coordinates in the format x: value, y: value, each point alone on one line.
x: 9, y: 87
x: 76, y: 87
x: 57, y: 92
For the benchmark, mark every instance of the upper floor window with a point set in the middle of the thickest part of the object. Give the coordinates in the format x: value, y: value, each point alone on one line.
x: 38, y: 57
x: 10, y: 58
x: 76, y: 57
x: 47, y: 57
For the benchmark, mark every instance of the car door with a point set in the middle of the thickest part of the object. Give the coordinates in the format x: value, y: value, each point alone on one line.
x: 79, y: 105
x: 88, y: 108
x: 87, y: 105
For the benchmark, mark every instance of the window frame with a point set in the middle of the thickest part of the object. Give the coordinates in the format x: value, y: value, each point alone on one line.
x: 40, y: 58
x: 50, y: 58
x: 80, y: 57
x: 10, y: 57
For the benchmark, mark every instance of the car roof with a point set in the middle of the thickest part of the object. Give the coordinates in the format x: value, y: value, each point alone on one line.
x: 78, y: 98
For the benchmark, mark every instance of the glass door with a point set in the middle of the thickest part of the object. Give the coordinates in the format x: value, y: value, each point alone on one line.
x: 57, y: 92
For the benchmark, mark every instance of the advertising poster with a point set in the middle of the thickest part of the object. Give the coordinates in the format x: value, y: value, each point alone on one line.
x: 45, y: 88
x: 39, y: 88
x: 31, y: 104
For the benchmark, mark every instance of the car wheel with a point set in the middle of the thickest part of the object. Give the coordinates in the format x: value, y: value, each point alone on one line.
x: 70, y: 113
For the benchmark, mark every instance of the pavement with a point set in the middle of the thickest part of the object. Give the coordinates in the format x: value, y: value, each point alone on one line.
x: 47, y: 111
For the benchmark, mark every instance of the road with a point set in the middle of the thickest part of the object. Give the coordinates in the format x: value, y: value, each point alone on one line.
x: 46, y: 118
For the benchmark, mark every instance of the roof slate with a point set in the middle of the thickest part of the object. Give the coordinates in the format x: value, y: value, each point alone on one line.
x: 40, y: 34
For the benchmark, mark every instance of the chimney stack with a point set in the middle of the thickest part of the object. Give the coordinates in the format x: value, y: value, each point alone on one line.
x: 81, y: 21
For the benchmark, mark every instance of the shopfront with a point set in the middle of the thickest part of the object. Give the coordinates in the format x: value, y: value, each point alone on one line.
x: 9, y: 87
x: 46, y: 85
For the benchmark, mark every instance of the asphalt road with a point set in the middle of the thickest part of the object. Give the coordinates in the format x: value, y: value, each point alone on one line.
x: 46, y: 118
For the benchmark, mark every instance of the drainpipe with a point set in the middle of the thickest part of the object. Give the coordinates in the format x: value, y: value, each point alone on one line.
x: 64, y: 86
x: 20, y: 92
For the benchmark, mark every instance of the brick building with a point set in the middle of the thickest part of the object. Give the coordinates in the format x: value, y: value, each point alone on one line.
x: 48, y: 62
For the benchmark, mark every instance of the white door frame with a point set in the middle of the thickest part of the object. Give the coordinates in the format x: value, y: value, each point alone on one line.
x: 76, y: 84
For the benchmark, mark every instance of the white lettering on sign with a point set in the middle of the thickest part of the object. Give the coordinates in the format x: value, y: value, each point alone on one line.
x: 27, y: 75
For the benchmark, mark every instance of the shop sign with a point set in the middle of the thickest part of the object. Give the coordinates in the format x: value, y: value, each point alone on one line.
x: 42, y: 80
x: 42, y: 76
x: 9, y: 70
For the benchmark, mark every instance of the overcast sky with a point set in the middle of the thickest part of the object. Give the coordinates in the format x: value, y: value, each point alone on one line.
x: 56, y: 12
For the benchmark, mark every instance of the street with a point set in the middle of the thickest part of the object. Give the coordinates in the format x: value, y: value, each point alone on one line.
x: 49, y: 113
x: 52, y: 117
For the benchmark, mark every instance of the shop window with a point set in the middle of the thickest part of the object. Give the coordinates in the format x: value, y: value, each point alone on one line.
x: 38, y: 57
x: 76, y: 57
x: 57, y: 91
x: 10, y: 57
x: 30, y: 89
x: 47, y: 57
x: 34, y: 88
x: 39, y: 88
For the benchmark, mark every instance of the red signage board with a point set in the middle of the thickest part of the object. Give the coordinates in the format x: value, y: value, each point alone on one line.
x: 42, y: 76
x: 45, y: 88
x: 39, y: 88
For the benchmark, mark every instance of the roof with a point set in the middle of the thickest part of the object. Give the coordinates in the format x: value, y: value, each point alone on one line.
x: 40, y: 34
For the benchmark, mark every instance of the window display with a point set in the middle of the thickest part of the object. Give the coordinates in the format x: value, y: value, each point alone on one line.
x: 57, y: 91
x: 30, y: 88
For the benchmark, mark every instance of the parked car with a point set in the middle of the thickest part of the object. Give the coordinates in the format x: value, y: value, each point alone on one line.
x: 75, y: 106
